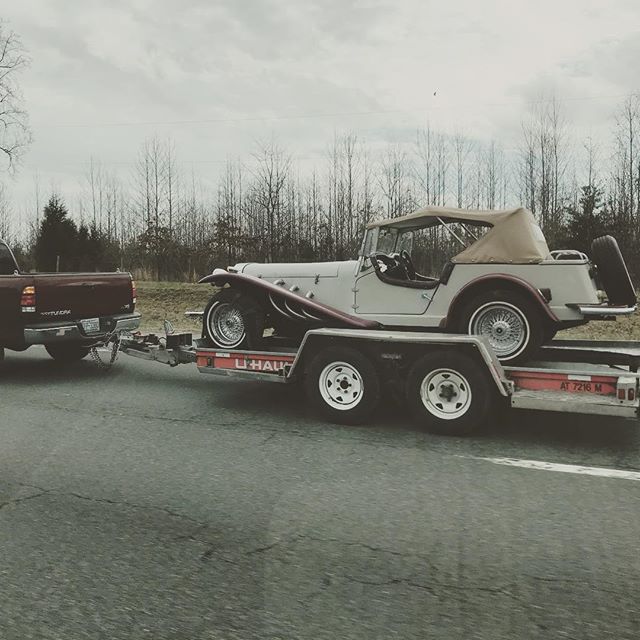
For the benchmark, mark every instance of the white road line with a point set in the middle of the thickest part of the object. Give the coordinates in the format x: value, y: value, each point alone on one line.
x: 601, y: 472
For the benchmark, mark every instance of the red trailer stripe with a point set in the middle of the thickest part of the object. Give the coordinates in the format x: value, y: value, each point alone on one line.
x: 569, y: 383
x: 261, y: 362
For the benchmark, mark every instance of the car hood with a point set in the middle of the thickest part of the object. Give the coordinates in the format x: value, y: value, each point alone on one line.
x: 294, y: 269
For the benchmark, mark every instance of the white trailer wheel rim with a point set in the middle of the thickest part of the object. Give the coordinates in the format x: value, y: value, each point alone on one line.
x: 505, y: 327
x: 341, y: 386
x: 446, y: 394
x: 226, y: 324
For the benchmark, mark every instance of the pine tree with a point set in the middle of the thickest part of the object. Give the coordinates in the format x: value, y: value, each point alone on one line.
x: 56, y: 241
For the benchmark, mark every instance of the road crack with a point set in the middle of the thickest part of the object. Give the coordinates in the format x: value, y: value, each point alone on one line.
x: 23, y: 499
x: 132, y: 505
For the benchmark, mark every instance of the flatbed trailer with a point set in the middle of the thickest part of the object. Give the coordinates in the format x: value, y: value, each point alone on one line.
x: 451, y: 383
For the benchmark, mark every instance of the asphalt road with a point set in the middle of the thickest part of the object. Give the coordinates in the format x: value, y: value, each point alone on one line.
x: 151, y: 502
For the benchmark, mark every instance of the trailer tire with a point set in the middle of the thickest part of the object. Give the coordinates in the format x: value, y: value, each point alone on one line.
x: 343, y: 384
x: 66, y: 353
x: 613, y: 271
x: 450, y: 393
x: 232, y: 320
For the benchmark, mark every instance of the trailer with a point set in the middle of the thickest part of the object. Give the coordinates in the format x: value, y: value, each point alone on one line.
x: 452, y: 384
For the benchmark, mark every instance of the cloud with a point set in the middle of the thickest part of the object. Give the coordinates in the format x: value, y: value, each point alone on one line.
x: 148, y: 61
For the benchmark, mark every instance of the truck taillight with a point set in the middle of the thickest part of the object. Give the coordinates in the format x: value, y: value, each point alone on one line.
x: 28, y: 300
x: 134, y: 291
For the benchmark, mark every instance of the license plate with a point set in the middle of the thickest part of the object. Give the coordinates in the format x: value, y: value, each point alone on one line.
x: 91, y: 325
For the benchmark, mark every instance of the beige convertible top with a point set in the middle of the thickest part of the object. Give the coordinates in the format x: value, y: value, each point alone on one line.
x: 514, y: 236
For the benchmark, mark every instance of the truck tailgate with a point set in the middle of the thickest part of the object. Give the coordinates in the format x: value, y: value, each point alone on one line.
x: 82, y: 295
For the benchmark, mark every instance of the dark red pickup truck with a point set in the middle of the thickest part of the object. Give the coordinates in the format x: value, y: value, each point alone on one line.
x: 66, y: 312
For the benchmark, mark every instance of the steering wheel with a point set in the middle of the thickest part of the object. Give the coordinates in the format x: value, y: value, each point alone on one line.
x: 394, y: 267
x: 387, y: 260
x: 407, y: 263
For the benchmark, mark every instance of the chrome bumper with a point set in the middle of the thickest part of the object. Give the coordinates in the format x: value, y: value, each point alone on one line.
x: 601, y: 311
x: 72, y: 331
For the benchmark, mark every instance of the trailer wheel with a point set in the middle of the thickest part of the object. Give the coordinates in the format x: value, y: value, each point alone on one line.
x: 67, y: 352
x: 450, y: 393
x: 343, y: 384
x: 232, y: 320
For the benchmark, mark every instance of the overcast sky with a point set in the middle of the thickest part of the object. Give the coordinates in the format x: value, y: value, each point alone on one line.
x: 215, y: 75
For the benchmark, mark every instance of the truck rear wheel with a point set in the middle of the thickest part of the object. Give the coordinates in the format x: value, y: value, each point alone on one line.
x: 67, y: 353
x: 343, y: 384
x: 450, y: 393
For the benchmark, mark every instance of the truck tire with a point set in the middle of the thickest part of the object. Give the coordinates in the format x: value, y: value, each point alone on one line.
x: 67, y: 353
x: 450, y: 393
x: 509, y: 320
x: 233, y: 320
x: 613, y: 271
x: 343, y: 384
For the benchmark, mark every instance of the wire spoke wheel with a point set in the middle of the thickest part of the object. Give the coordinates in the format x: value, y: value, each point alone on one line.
x: 446, y: 394
x: 341, y: 385
x: 505, y: 327
x: 226, y: 323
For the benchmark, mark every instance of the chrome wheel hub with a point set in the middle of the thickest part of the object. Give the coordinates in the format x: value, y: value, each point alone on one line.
x: 446, y: 394
x: 341, y: 385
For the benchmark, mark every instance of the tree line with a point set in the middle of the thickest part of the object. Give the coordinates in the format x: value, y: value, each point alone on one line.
x: 163, y: 223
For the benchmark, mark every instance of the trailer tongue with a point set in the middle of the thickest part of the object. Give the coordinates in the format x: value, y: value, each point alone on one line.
x: 451, y: 383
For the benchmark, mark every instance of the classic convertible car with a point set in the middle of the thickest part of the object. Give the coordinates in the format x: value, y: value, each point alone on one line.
x: 504, y: 284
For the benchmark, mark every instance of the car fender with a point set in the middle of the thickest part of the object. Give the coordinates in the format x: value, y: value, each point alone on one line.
x: 287, y: 302
x: 483, y: 282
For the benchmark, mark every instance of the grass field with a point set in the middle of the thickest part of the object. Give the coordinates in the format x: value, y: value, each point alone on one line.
x: 160, y: 300
x: 627, y: 328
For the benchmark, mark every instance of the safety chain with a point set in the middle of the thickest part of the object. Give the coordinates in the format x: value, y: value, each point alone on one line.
x: 115, y: 349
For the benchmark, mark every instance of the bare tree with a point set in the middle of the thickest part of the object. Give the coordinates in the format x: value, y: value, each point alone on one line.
x: 462, y: 147
x: 95, y: 181
x: 15, y: 134
x: 228, y: 215
x: 395, y: 182
x: 627, y: 158
x: 592, y: 150
x: 5, y: 215
x: 494, y: 179
x: 269, y: 191
x: 543, y: 163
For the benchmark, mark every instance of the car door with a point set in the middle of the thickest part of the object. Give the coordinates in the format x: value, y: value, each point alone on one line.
x: 372, y: 296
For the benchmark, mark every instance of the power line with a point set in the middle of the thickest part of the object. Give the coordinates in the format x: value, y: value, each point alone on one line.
x: 342, y: 114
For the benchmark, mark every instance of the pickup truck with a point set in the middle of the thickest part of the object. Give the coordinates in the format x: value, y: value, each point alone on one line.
x: 68, y: 313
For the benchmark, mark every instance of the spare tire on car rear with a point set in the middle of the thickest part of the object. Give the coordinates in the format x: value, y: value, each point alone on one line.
x: 613, y: 271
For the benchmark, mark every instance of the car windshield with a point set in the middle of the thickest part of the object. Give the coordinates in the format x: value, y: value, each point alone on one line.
x: 430, y: 247
x: 394, y: 241
x: 387, y: 240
